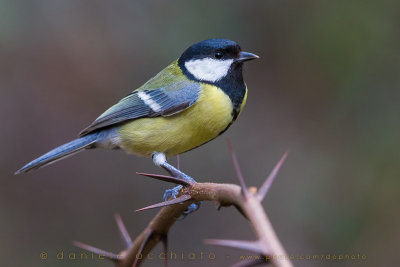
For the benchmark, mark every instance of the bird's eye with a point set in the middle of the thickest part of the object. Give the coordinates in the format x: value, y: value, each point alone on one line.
x: 218, y: 55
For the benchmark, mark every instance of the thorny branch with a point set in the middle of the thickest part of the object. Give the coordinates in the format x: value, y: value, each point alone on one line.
x: 246, y: 200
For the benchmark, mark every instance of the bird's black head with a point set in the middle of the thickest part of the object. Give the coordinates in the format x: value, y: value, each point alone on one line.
x: 212, y: 60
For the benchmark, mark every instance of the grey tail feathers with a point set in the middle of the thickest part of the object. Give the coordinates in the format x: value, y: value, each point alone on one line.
x: 60, y: 152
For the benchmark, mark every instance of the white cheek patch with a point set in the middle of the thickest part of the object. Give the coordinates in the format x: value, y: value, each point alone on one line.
x: 208, y: 69
x: 148, y: 101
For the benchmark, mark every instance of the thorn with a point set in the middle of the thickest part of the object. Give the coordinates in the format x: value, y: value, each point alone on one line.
x: 241, y: 211
x: 109, y: 255
x: 237, y: 169
x: 122, y: 230
x: 262, y: 192
x: 219, y: 206
x: 178, y: 162
x: 177, y: 200
x: 146, y: 239
x: 250, y: 263
x: 166, y: 178
x: 164, y: 240
x: 254, y: 246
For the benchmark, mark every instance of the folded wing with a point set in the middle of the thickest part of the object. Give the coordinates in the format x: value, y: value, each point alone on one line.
x: 164, y: 101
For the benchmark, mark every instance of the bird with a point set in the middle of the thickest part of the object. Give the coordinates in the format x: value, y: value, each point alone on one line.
x: 190, y: 102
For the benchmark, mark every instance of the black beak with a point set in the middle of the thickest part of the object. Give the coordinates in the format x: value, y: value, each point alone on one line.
x: 245, y: 56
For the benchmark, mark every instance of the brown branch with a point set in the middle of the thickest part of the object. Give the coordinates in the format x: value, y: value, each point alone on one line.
x: 226, y: 194
x: 248, y: 202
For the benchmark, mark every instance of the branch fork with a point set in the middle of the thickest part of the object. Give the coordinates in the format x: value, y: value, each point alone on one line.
x: 247, y: 200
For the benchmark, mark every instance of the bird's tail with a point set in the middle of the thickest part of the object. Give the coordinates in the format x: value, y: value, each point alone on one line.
x: 60, y: 152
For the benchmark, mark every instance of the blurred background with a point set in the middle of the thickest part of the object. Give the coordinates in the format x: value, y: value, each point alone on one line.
x: 326, y: 89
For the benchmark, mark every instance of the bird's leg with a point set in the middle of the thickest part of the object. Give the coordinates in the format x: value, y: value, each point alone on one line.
x: 159, y: 159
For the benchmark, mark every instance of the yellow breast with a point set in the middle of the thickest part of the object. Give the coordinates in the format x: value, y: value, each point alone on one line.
x: 172, y: 135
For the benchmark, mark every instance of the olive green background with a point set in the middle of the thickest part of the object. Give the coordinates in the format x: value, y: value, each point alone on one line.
x: 326, y: 88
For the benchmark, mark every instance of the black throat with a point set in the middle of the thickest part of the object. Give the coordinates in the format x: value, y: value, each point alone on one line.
x: 232, y: 85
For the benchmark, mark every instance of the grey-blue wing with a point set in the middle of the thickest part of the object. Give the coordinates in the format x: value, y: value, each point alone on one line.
x: 164, y: 101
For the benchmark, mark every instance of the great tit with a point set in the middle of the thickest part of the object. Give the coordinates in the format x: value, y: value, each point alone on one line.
x: 190, y: 102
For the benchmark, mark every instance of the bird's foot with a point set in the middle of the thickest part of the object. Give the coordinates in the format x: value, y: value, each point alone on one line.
x: 172, y: 193
x: 160, y: 160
